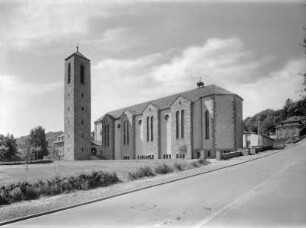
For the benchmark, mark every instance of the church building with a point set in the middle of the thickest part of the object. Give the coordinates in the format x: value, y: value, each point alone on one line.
x: 203, y: 122
x: 191, y: 124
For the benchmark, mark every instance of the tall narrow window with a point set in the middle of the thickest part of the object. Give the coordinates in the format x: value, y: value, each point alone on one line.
x: 104, y: 135
x: 124, y: 138
x: 206, y: 125
x: 148, y: 125
x: 69, y: 73
x: 107, y: 135
x: 151, y: 128
x: 182, y: 124
x: 177, y: 115
x: 127, y: 133
x: 82, y: 73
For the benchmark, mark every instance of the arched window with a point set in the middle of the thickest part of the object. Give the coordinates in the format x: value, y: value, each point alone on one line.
x: 106, y: 135
x: 69, y: 73
x: 177, y: 115
x: 151, y: 128
x: 182, y: 124
x: 148, y: 130
x: 206, y: 125
x: 82, y: 73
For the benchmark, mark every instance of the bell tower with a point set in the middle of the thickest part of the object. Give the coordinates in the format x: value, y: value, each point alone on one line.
x: 77, y: 107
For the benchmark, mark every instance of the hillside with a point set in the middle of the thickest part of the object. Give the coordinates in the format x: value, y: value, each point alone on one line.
x: 269, y: 117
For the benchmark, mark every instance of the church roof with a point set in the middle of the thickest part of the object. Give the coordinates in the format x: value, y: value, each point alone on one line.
x: 78, y: 54
x: 166, y: 102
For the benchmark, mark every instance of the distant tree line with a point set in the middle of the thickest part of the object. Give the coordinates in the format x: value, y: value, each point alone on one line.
x: 269, y: 118
x: 35, y: 147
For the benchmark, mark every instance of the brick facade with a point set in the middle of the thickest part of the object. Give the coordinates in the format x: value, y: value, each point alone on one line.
x: 150, y: 122
x: 108, y: 143
x: 289, y: 129
x: 181, y: 142
x: 127, y: 124
x: 77, y: 109
x: 211, y: 123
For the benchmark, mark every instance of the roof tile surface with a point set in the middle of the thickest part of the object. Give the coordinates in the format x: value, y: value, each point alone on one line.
x: 166, y: 102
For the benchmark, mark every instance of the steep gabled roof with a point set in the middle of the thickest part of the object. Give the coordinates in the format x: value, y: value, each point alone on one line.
x: 166, y: 102
x: 78, y: 54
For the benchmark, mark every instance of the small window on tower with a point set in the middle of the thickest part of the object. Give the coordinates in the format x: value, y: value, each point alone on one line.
x: 69, y: 73
x: 82, y: 108
x: 82, y: 94
x: 82, y: 69
x: 82, y: 122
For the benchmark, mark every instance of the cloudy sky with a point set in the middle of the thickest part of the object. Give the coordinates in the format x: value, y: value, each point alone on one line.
x: 142, y: 50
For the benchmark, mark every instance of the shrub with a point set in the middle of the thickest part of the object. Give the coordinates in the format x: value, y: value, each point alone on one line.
x: 16, y: 194
x: 195, y: 164
x: 179, y: 167
x: 203, y: 161
x: 142, y: 172
x: 31, y: 192
x: 4, y: 196
x: 55, y: 186
x: 163, y: 169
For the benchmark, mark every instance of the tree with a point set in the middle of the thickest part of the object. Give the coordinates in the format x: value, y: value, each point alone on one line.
x: 268, y: 125
x: 8, y: 148
x: 38, y: 143
x: 304, y: 74
x: 288, y: 108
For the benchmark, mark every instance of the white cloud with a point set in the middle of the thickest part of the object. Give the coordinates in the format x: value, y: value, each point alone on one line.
x: 219, y: 61
x: 22, y: 104
x: 227, y: 63
x: 272, y: 90
x: 32, y: 23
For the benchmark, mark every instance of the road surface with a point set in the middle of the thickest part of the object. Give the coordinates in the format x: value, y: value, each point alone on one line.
x: 270, y: 191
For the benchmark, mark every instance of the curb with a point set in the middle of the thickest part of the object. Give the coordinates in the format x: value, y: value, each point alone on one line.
x: 130, y: 191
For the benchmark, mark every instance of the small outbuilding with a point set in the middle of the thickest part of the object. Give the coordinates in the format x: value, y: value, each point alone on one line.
x: 254, y: 140
x: 289, y: 128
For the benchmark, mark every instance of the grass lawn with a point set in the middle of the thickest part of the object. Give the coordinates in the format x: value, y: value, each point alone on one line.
x: 16, y: 173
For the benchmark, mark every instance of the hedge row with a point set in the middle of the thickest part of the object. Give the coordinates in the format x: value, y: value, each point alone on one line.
x: 147, y: 171
x: 28, y: 191
x: 25, y: 162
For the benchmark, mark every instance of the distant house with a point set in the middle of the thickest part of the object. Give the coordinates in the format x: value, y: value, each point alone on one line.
x: 254, y: 140
x: 289, y: 128
x: 59, y: 146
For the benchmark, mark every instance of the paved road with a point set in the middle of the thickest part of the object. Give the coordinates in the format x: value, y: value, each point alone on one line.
x: 270, y: 191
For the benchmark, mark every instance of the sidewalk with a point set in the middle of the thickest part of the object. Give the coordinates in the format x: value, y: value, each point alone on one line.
x: 46, y: 205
